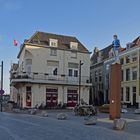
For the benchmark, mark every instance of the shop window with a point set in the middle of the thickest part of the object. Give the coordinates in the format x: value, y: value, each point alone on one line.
x: 28, y: 96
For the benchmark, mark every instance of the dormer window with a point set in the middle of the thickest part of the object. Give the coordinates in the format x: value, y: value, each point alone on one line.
x: 53, y: 42
x: 74, y: 45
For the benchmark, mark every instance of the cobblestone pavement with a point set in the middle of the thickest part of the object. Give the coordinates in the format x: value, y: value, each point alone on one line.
x: 29, y: 127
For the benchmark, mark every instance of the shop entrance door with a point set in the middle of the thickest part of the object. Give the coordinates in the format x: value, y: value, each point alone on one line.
x: 51, y: 97
x: 72, y: 98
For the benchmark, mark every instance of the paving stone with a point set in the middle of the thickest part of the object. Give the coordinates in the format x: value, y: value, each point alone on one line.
x: 90, y: 120
x: 33, y: 111
x: 137, y: 111
x: 124, y: 110
x: 119, y: 124
x: 16, y: 110
x: 44, y: 114
x: 62, y: 116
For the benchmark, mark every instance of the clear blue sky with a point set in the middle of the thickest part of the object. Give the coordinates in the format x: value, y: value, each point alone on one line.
x: 93, y: 22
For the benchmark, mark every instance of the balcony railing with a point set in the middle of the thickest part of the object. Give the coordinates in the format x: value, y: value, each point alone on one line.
x: 48, y: 78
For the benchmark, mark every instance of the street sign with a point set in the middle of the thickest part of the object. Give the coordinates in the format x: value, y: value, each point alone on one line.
x: 1, y: 91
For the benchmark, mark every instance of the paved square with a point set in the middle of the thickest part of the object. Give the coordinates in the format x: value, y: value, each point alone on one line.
x: 29, y: 127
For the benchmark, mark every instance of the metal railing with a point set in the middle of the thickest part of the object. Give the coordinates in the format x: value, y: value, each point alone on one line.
x: 49, y: 77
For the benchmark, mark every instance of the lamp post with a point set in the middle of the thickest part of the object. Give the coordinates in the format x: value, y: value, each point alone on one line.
x: 80, y: 64
x: 1, y: 91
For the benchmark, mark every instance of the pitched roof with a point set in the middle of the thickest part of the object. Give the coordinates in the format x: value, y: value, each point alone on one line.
x: 134, y: 43
x: 137, y: 41
x: 42, y: 39
x: 63, y: 40
x: 122, y: 49
x: 104, y: 54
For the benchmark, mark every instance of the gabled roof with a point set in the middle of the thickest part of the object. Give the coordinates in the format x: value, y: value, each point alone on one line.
x: 42, y: 39
x: 134, y: 43
x: 63, y: 40
x: 137, y: 41
x: 104, y: 54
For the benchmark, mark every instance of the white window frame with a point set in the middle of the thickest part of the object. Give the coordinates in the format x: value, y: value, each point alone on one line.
x: 74, y: 45
x: 53, y: 42
x: 75, y: 70
x: 69, y: 72
x: 28, y: 66
x: 134, y: 69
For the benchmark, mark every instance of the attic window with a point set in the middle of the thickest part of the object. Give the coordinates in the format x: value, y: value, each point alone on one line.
x: 74, y: 45
x: 53, y: 42
x: 36, y: 41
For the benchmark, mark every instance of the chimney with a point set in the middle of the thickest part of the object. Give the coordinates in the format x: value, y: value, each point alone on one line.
x: 96, y: 50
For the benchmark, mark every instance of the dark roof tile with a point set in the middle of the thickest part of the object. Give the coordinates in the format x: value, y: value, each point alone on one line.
x: 42, y: 38
x: 104, y: 54
x: 137, y: 41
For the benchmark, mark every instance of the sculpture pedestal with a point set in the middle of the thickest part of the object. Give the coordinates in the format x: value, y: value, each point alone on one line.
x: 115, y: 91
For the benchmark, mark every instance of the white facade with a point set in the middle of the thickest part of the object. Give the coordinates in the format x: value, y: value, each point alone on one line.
x: 50, y: 69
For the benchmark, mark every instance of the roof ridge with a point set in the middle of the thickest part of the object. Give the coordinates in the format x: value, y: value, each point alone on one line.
x: 105, y: 47
x: 56, y: 34
x: 137, y: 38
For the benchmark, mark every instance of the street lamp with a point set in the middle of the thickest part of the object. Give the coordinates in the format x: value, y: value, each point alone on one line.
x: 80, y: 64
x: 1, y: 90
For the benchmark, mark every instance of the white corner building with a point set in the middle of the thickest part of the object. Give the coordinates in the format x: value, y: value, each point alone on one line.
x: 52, y: 69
